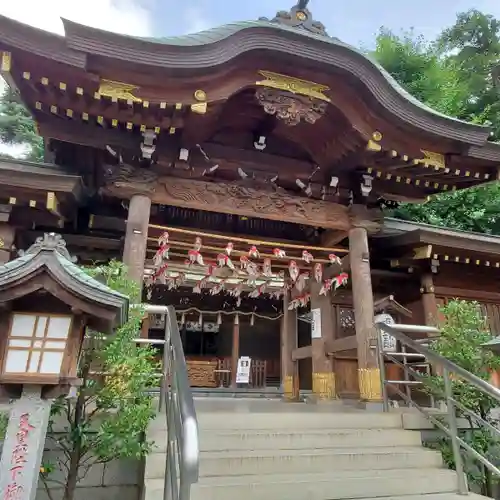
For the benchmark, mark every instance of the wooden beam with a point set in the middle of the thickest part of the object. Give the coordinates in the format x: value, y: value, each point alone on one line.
x: 235, y: 199
x: 302, y: 353
x: 331, y: 238
x: 340, y: 345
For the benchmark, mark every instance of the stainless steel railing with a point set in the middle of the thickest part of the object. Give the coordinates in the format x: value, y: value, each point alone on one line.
x: 176, y: 399
x: 417, y: 351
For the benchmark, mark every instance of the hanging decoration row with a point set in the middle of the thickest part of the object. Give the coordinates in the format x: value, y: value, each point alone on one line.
x: 251, y: 270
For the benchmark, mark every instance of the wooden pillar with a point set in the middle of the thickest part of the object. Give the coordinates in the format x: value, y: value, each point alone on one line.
x: 323, y: 376
x: 7, y: 236
x: 235, y: 354
x: 136, y: 238
x: 429, y: 302
x: 368, y: 371
x: 289, y: 342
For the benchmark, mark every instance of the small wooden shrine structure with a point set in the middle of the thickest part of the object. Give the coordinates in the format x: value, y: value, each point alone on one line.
x: 242, y: 172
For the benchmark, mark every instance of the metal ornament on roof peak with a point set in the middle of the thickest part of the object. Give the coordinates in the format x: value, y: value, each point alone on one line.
x: 299, y: 16
x: 51, y: 242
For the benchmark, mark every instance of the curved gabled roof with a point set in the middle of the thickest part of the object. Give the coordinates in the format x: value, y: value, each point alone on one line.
x: 203, y: 53
x: 49, y: 253
x: 217, y: 46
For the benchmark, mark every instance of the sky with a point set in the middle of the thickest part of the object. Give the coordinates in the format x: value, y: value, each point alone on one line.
x: 353, y: 21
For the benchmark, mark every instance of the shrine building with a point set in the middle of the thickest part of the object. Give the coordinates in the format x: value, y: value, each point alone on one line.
x: 242, y: 174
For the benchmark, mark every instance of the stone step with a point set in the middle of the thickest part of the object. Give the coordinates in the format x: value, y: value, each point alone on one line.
x: 239, y: 463
x: 290, y: 439
x: 297, y: 420
x: 442, y: 496
x: 338, y: 485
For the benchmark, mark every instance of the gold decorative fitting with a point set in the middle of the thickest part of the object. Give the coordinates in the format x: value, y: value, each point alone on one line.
x: 26, y: 75
x: 38, y: 105
x: 288, y: 388
x: 53, y: 109
x: 118, y: 90
x: 79, y: 90
x: 373, y: 146
x: 377, y: 136
x: 69, y: 113
x: 199, y: 108
x: 6, y: 61
x: 163, y: 105
x: 171, y: 130
x: 32, y: 203
x: 323, y: 385
x: 301, y: 16
x: 51, y: 203
x: 44, y: 80
x: 2, y: 243
x: 200, y: 95
x: 12, y: 200
x: 63, y: 86
x: 85, y: 116
x: 178, y: 105
x: 294, y: 85
x: 370, y: 388
x: 435, y: 160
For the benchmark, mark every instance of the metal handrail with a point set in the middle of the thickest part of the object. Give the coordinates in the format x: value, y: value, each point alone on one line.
x: 183, y: 450
x: 449, y: 370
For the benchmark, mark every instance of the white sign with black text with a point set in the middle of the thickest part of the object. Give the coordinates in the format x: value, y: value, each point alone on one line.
x: 316, y: 323
x: 389, y: 343
x: 243, y: 370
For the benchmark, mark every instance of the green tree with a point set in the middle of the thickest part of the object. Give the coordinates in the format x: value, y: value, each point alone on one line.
x: 17, y: 126
x: 453, y: 75
x: 417, y: 65
x: 463, y: 333
x: 108, y: 418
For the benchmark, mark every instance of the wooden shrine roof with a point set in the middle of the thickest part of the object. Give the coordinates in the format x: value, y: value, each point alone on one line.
x: 29, y: 191
x: 407, y: 243
x: 215, y: 94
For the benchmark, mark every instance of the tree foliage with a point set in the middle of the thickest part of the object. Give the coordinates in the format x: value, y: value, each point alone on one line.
x: 17, y: 126
x: 109, y: 416
x: 463, y: 333
x: 453, y: 75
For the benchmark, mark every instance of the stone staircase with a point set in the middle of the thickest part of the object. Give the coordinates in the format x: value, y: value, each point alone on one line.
x: 269, y: 450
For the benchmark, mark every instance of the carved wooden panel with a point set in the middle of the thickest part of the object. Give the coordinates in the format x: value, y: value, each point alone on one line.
x: 227, y: 198
x: 202, y: 373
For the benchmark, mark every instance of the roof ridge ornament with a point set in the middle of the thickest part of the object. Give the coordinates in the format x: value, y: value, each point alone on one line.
x: 50, y: 242
x: 299, y: 16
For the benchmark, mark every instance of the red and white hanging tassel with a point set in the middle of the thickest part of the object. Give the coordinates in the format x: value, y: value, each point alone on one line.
x: 318, y: 272
x: 293, y: 270
x: 244, y: 260
x: 279, y: 254
x: 163, y: 239
x: 266, y: 268
x: 327, y: 286
x: 224, y: 260
x: 252, y: 270
x: 161, y: 255
x: 257, y: 292
x: 195, y: 257
x: 340, y: 280
x: 200, y: 285
x: 307, y: 257
x: 229, y: 248
x: 334, y: 259
x: 215, y: 290
x: 253, y: 252
x: 236, y: 291
x: 197, y: 244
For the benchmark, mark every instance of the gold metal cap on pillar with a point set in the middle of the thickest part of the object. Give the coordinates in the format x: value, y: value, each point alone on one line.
x: 370, y: 385
x: 324, y: 386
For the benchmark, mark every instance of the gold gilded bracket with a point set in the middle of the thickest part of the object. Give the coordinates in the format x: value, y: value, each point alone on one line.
x: 431, y: 159
x: 118, y: 90
x: 294, y: 85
